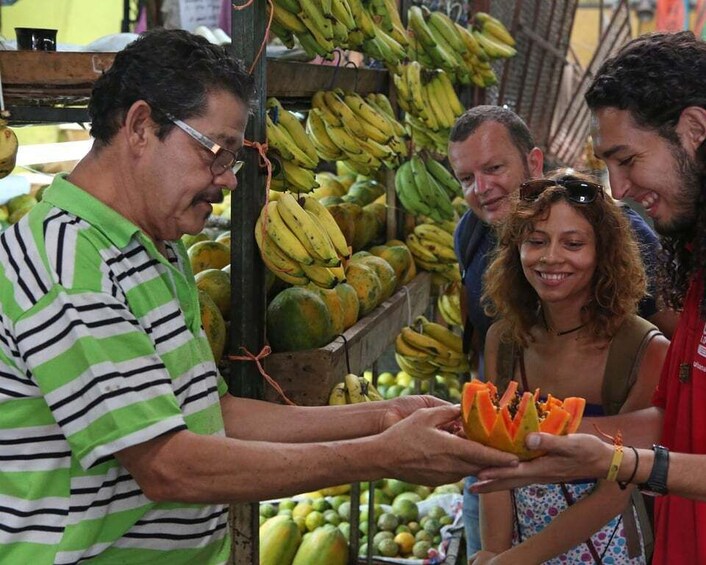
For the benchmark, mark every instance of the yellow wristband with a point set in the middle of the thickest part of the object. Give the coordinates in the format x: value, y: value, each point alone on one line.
x: 615, y: 463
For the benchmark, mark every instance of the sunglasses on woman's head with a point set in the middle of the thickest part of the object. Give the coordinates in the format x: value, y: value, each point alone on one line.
x: 579, y: 191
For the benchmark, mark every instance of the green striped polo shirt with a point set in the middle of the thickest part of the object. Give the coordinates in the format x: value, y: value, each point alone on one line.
x: 101, y: 348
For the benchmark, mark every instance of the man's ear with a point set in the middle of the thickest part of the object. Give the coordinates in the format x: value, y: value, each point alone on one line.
x: 139, y: 126
x: 535, y: 163
x: 691, y: 127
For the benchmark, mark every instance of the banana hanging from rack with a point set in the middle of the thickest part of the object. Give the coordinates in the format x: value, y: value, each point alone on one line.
x: 283, y: 236
x: 328, y: 223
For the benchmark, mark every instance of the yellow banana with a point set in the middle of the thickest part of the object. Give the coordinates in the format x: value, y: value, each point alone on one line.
x: 414, y: 84
x: 354, y: 392
x: 281, y: 262
x: 418, y: 340
x: 434, y: 233
x: 403, y: 348
x: 450, y: 94
x: 321, y: 213
x: 286, y: 277
x: 310, y: 235
x: 418, y: 25
x: 283, y: 236
x: 362, y: 18
x: 444, y: 26
x: 419, y: 251
x: 495, y: 28
x: 337, y: 396
x: 276, y: 139
x: 311, y: 10
x: 344, y: 140
x: 441, y: 334
x: 436, y: 103
x: 418, y: 370
x: 442, y: 253
x: 299, y: 178
x: 475, y: 51
x: 344, y: 113
x: 372, y: 393
x: 376, y: 125
x: 320, y: 275
x: 296, y: 131
x: 494, y: 48
x: 288, y: 21
x: 341, y: 12
x: 450, y: 315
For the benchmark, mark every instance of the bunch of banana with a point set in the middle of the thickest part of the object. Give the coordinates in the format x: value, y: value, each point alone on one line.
x: 432, y: 248
x: 493, y: 36
x: 420, y: 192
x: 353, y: 389
x: 297, y: 156
x: 8, y: 149
x: 426, y: 348
x: 301, y: 243
x: 346, y: 127
x: 449, y: 304
x: 321, y: 25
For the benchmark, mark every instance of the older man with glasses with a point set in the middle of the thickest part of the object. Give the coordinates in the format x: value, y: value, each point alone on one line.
x: 118, y: 439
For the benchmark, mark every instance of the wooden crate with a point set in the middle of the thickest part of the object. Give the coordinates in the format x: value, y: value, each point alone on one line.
x: 307, y: 376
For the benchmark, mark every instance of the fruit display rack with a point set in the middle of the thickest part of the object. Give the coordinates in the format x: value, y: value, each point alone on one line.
x: 307, y: 376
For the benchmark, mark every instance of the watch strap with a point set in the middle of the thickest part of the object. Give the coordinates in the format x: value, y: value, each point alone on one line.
x: 657, y: 481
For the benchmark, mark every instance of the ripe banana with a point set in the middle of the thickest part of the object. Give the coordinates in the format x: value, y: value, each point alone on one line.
x: 310, y: 235
x: 492, y: 47
x: 337, y: 396
x: 283, y: 236
x: 494, y: 27
x: 328, y: 223
x: 281, y: 262
x: 298, y: 178
x: 376, y: 125
x: 419, y: 27
x: 354, y: 391
x: 296, y: 131
x: 416, y: 369
x: 441, y: 334
x: 444, y: 27
x: 339, y: 108
x: 320, y: 275
x: 419, y: 252
x: 316, y: 129
x: 435, y: 234
x: 403, y: 348
x: 370, y: 391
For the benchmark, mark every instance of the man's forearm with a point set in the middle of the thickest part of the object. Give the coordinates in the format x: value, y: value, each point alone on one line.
x: 641, y: 428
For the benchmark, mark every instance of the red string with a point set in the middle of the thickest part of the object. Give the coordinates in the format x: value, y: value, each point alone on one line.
x: 247, y: 4
x: 264, y: 352
x: 616, y: 440
x: 267, y: 164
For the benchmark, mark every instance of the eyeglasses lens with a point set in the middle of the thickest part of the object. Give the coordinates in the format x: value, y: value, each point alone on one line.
x: 578, y: 191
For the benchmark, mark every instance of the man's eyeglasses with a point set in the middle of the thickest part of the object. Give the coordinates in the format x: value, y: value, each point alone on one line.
x: 579, y: 191
x: 223, y: 159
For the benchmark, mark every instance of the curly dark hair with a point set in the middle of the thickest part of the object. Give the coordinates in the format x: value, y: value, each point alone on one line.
x: 619, y: 281
x: 655, y: 77
x: 173, y: 71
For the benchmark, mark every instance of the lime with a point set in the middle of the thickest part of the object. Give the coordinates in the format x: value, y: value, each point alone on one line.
x: 406, y: 509
x: 321, y: 505
x: 403, y: 379
x: 388, y: 548
x: 285, y: 512
x: 452, y: 488
x: 337, y: 500
x: 378, y: 496
x: 420, y: 550
x: 314, y: 520
x: 344, y: 510
x: 287, y: 503
x: 423, y: 535
x: 446, y: 520
x: 267, y: 510
x: 300, y: 521
x: 437, y: 539
x: 345, y: 528
x: 393, y: 391
x: 422, y: 491
x: 402, y: 528
x: 414, y: 527
x: 378, y: 537
x: 436, y: 512
x: 332, y: 517
x: 409, y: 495
x: 363, y: 550
x: 302, y: 509
x: 262, y: 519
x: 388, y: 522
x: 393, y: 487
x: 386, y: 379
x: 432, y: 526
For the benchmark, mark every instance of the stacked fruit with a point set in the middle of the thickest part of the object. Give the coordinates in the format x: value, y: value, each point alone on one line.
x: 426, y: 349
x: 432, y: 247
x: 449, y: 304
x: 439, y: 42
x: 301, y: 243
x: 298, y: 156
x: 423, y: 189
x: 363, y: 132
x: 353, y: 389
x: 430, y: 103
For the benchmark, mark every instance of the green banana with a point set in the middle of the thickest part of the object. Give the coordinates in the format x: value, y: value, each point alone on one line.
x: 492, y: 47
x: 444, y: 26
x: 442, y: 175
x: 419, y: 27
x: 495, y: 28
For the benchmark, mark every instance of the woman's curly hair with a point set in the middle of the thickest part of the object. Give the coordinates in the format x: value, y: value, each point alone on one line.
x: 618, y: 282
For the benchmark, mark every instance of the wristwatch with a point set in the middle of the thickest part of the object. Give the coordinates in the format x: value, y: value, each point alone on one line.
x: 656, y: 484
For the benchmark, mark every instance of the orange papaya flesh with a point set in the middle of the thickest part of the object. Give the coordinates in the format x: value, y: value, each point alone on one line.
x: 503, y: 423
x: 574, y: 406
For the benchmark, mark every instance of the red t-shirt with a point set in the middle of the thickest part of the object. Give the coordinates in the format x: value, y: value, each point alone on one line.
x: 680, y: 524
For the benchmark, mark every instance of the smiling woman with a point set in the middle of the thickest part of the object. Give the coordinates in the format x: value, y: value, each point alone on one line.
x: 564, y: 284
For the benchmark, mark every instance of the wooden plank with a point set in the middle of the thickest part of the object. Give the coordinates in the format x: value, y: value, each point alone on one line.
x: 289, y: 79
x: 40, y: 75
x: 307, y: 376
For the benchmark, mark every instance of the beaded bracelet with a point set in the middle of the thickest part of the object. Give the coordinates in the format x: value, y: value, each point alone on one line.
x: 624, y: 484
x: 615, y: 463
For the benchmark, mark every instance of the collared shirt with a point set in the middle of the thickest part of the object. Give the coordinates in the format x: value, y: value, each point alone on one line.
x: 101, y: 349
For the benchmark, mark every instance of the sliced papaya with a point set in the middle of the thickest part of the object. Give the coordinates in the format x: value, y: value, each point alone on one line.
x: 504, y: 422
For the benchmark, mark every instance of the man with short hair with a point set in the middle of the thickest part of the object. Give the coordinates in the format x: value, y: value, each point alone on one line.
x: 649, y: 117
x: 492, y: 152
x: 118, y: 439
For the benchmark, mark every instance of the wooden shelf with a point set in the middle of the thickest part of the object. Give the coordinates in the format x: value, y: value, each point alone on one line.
x: 307, y: 376
x: 37, y: 78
